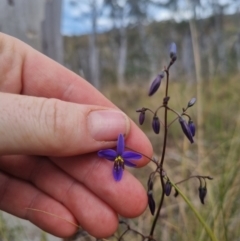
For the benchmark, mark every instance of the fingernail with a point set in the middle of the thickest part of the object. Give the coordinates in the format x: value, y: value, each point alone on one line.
x: 106, y: 125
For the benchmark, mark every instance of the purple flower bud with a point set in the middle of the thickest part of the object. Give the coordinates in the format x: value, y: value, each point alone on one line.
x: 202, y: 193
x: 191, y: 127
x: 155, y: 84
x: 173, y: 51
x: 151, y: 202
x: 186, y: 129
x: 156, y: 124
x: 167, y: 188
x: 176, y: 193
x: 192, y: 102
x: 141, y: 117
x: 150, y: 185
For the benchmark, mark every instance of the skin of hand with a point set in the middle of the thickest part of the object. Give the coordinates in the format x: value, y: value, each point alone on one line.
x: 52, y: 122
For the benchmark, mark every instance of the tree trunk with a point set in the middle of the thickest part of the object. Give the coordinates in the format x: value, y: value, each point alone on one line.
x: 36, y: 23
x: 93, y: 49
x: 122, y: 58
x: 22, y: 19
x: 222, y: 66
x: 52, y: 42
x: 187, y: 55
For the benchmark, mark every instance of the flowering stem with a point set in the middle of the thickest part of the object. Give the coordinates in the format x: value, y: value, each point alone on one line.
x: 199, y: 217
x: 162, y: 157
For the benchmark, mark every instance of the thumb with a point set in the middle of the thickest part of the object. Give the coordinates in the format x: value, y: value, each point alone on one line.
x: 40, y: 126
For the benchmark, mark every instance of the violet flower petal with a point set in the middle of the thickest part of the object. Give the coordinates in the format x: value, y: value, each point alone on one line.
x: 129, y: 155
x: 120, y: 145
x: 108, y: 154
x: 129, y: 164
x: 117, y: 173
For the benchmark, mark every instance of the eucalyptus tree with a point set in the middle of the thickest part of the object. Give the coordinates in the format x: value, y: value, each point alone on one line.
x: 90, y: 9
x: 126, y: 15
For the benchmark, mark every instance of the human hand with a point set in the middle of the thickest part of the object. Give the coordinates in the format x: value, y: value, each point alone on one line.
x: 52, y: 122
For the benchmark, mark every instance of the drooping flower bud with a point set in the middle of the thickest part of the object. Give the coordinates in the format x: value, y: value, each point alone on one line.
x: 150, y: 184
x: 155, y: 84
x: 173, y: 51
x: 202, y: 193
x: 151, y: 202
x: 168, y: 188
x: 156, y: 124
x: 192, y: 127
x: 186, y: 129
x: 141, y: 117
x: 176, y: 193
x: 192, y: 102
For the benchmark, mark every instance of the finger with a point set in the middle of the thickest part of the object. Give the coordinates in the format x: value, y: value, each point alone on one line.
x: 55, y: 127
x: 27, y: 71
x: 127, y: 197
x: 24, y: 70
x: 17, y: 196
x: 92, y: 214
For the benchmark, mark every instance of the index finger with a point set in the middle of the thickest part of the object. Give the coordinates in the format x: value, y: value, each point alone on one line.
x: 26, y: 71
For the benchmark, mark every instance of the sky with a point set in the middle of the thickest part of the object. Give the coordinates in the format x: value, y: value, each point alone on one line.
x: 76, y: 18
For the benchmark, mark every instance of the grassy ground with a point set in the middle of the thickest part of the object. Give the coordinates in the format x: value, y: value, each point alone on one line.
x: 220, y: 159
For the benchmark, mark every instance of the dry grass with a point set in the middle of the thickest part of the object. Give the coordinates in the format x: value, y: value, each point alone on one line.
x: 221, y: 129
x: 221, y: 160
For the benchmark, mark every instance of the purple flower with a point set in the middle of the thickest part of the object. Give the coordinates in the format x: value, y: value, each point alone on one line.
x: 120, y: 158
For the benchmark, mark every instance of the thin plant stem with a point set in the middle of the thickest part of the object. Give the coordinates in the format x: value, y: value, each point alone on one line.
x: 162, y: 157
x: 195, y: 176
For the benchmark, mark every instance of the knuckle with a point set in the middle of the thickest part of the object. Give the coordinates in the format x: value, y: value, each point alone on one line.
x: 56, y: 123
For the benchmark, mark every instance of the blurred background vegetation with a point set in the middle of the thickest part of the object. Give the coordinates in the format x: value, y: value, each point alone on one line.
x: 123, y: 59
